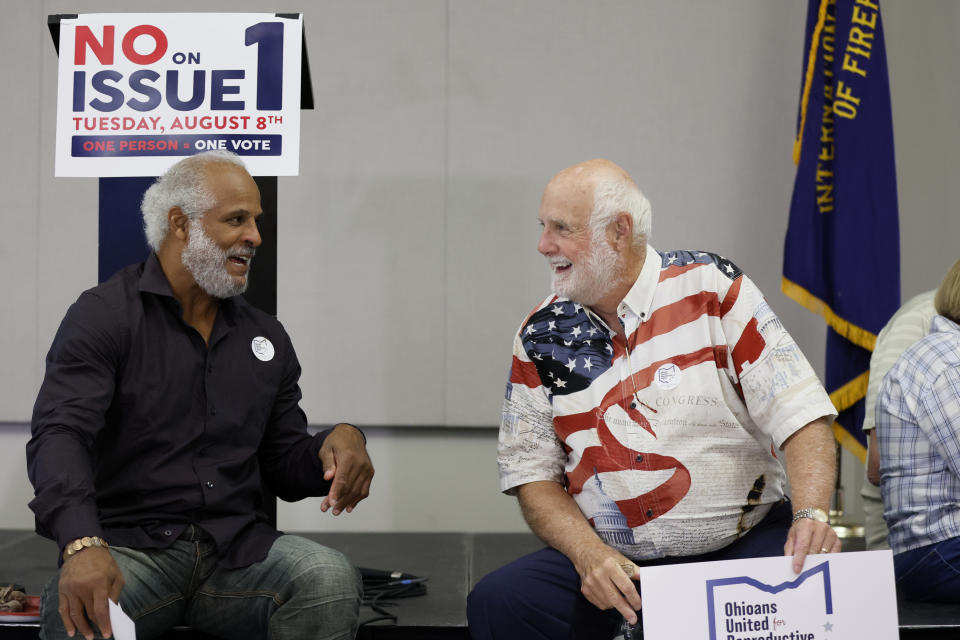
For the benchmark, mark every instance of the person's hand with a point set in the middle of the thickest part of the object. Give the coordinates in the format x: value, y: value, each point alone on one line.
x: 87, y: 579
x: 808, y: 537
x: 606, y: 580
x: 345, y: 461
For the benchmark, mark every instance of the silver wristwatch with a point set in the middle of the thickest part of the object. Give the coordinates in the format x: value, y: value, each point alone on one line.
x: 814, y: 514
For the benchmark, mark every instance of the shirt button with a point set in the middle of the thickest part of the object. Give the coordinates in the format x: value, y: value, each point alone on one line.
x: 633, y: 405
x: 209, y: 485
x: 168, y: 532
x: 209, y: 369
x: 649, y: 513
x: 640, y: 458
x: 213, y: 411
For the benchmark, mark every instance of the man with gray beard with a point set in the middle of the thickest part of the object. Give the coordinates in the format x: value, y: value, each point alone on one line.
x: 168, y: 405
x: 647, y: 400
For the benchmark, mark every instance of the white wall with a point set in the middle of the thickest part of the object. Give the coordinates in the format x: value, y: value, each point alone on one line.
x: 407, y: 245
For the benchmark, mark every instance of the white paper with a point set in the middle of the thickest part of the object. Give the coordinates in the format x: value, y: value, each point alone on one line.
x: 123, y: 626
x: 836, y: 596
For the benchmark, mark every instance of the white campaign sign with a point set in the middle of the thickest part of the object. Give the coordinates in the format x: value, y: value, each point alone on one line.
x: 835, y: 597
x: 139, y: 91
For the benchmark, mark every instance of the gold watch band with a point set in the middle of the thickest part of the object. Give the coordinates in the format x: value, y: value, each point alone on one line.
x: 80, y: 544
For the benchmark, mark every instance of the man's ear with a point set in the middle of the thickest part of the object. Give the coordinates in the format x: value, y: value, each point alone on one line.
x: 179, y: 223
x: 622, y: 230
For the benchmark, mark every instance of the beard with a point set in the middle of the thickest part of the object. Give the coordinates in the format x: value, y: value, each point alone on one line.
x: 590, y: 281
x: 207, y: 263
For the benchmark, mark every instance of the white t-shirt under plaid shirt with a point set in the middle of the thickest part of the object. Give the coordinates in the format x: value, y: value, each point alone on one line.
x: 665, y: 439
x: 918, y: 428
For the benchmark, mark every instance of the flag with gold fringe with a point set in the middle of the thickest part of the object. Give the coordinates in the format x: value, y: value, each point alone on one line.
x: 842, y: 250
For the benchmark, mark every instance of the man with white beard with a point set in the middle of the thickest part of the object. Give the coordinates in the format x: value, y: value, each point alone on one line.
x: 168, y: 403
x: 647, y: 401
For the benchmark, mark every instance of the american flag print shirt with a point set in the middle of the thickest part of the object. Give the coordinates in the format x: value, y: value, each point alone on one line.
x: 665, y: 439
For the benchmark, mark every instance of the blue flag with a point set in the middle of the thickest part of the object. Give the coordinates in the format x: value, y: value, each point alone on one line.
x: 842, y: 251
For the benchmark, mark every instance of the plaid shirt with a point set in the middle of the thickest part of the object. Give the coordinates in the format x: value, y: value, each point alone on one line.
x: 918, y: 427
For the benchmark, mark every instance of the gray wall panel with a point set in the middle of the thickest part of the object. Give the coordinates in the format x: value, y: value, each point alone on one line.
x: 407, y: 245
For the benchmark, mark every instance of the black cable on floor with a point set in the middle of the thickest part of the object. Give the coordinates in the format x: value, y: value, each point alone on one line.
x: 388, y: 591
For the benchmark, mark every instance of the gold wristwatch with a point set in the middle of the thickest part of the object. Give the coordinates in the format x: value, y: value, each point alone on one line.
x: 83, y: 543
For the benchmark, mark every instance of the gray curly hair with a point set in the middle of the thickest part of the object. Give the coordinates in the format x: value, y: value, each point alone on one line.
x: 184, y: 186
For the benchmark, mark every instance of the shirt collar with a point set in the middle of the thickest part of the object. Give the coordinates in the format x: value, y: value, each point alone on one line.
x: 639, y: 299
x: 153, y: 280
x: 942, y: 323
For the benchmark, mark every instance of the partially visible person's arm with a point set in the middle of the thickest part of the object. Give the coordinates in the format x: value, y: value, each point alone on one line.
x: 557, y: 520
x: 333, y: 463
x: 347, y: 465
x: 531, y: 459
x: 786, y: 400
x: 70, y: 411
x: 811, y: 468
x: 873, y: 459
x: 87, y: 580
x: 907, y: 325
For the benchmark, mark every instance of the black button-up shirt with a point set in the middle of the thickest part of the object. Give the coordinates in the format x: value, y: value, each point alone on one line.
x: 141, y: 428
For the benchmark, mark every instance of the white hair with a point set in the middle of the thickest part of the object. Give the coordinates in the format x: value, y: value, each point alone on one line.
x: 610, y: 197
x: 183, y: 185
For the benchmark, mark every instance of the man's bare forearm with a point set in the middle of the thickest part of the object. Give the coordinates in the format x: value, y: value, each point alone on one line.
x: 557, y: 520
x: 606, y: 576
x: 811, y: 461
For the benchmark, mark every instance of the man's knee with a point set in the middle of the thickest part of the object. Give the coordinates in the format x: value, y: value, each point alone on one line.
x: 333, y: 573
x: 493, y: 595
x: 322, y: 573
x: 484, y: 607
x: 51, y: 624
x: 321, y: 592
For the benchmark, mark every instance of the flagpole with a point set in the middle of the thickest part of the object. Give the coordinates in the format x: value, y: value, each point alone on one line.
x: 845, y: 530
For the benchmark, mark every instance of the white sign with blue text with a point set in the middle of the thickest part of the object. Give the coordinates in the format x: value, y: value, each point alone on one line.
x: 139, y: 91
x: 835, y: 597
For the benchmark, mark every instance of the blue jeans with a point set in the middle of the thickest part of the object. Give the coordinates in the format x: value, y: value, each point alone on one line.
x: 930, y: 573
x: 300, y: 590
x: 538, y: 596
